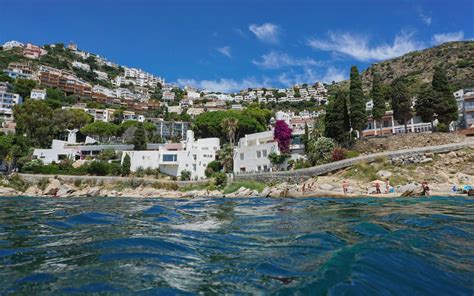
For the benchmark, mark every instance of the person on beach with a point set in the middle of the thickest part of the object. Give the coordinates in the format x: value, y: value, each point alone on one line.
x: 425, y: 188
x: 345, y: 186
x: 387, y: 185
x: 377, y: 188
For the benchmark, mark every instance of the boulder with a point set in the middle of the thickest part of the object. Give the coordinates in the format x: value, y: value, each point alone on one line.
x: 384, y: 174
x: 6, y: 191
x: 65, y: 190
x: 327, y: 187
x: 451, y: 154
x: 93, y: 191
x: 410, y: 190
x: 33, y: 191
x: 425, y: 160
x: 52, y: 187
x: 265, y: 192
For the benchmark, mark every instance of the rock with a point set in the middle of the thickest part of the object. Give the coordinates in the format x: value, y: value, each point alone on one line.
x: 52, y: 187
x: 265, y: 192
x: 33, y: 191
x: 6, y: 191
x: 93, y: 191
x: 327, y: 187
x: 65, y: 190
x: 410, y: 190
x: 470, y: 192
x: 384, y: 174
x: 425, y: 160
x: 451, y: 154
x: 350, y: 189
x: 463, y: 178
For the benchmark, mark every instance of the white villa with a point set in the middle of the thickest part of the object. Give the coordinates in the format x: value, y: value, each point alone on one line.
x: 251, y: 154
x: 190, y: 155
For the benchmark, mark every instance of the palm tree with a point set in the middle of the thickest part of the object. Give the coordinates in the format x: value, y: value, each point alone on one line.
x: 226, y: 157
x: 230, y: 126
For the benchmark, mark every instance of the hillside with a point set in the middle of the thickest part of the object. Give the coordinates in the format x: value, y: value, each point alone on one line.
x: 418, y: 66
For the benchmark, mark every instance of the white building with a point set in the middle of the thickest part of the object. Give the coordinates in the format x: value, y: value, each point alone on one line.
x: 191, y: 155
x: 12, y: 44
x: 38, y: 94
x: 251, y: 154
x: 101, y: 75
x: 193, y: 95
x: 7, y: 101
x: 81, y: 66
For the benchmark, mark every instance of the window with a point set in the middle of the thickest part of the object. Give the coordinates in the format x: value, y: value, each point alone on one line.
x: 259, y: 168
x: 386, y: 123
x: 194, y: 167
x: 170, y: 157
x: 259, y: 154
x: 241, y: 156
x: 264, y: 153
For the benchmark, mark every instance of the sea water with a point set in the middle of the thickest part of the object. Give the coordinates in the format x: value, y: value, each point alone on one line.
x: 360, y: 246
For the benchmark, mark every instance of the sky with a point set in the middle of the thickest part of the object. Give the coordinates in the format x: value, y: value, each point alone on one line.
x: 230, y: 45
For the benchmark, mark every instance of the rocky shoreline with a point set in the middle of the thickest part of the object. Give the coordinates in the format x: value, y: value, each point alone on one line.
x: 317, y: 187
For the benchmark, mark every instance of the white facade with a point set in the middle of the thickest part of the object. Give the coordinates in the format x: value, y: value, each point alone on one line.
x: 101, y: 75
x: 81, y: 66
x: 194, y: 156
x: 193, y: 95
x: 59, y: 151
x: 7, y: 101
x: 12, y: 44
x: 38, y: 94
x: 251, y: 154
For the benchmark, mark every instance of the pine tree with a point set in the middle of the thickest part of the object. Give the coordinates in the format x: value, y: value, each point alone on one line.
x: 378, y: 111
x: 139, y: 138
x: 358, y: 114
x: 306, y: 136
x: 445, y: 105
x: 401, y: 102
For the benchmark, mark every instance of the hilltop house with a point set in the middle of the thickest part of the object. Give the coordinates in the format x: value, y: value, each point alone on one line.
x: 7, y: 101
x: 251, y: 153
x: 189, y: 155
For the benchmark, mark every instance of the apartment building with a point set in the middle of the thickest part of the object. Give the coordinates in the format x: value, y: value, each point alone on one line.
x: 7, y: 101
x: 12, y: 44
x: 33, y: 51
x: 172, y: 159
x: 251, y: 153
x: 101, y: 75
x: 170, y: 129
x: 64, y: 80
x: 465, y: 101
x: 81, y: 66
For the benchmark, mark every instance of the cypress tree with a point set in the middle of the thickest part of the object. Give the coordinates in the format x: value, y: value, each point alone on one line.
x: 126, y: 165
x: 337, y: 118
x: 378, y: 111
x: 445, y: 105
x: 424, y: 106
x: 358, y: 114
x: 139, y: 138
x: 401, y: 102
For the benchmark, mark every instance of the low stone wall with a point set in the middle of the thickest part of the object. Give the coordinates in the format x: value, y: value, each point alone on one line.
x: 296, y: 176
x: 104, y: 180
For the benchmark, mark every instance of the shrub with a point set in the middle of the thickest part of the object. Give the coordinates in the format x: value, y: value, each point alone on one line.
x: 351, y: 153
x: 115, y: 169
x: 185, y: 175
x: 213, y: 167
x: 126, y: 165
x: 338, y: 154
x: 441, y: 127
x: 220, y: 179
x: 320, y: 151
x: 98, y: 168
x: 234, y: 186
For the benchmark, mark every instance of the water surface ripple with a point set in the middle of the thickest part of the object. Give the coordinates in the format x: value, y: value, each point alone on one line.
x: 127, y: 246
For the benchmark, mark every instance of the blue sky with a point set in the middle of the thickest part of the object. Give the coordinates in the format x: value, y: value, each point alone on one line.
x: 229, y: 45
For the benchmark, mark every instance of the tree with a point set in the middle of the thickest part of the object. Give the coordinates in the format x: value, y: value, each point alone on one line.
x: 126, y: 163
x: 277, y: 159
x: 230, y: 126
x: 70, y: 119
x: 424, y: 106
x: 337, y: 120
x: 444, y: 102
x: 378, y: 99
x: 23, y: 87
x: 213, y: 167
x: 100, y: 129
x: 139, y: 138
x: 306, y: 136
x: 358, y: 115
x: 282, y: 135
x: 34, y: 119
x: 226, y: 157
x: 401, y: 102
x: 55, y: 94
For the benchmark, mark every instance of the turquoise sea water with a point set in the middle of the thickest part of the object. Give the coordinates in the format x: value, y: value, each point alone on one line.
x: 307, y: 246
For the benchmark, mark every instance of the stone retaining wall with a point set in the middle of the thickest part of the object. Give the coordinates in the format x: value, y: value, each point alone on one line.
x: 296, y: 175
x: 34, y: 178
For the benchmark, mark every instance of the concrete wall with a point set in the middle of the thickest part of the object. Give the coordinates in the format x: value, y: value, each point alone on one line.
x: 296, y: 175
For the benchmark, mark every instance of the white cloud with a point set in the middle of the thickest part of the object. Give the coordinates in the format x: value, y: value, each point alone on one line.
x: 221, y: 85
x: 447, y: 37
x: 225, y: 50
x: 357, y: 46
x: 426, y: 19
x: 267, y: 32
x: 275, y: 60
x: 334, y: 74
